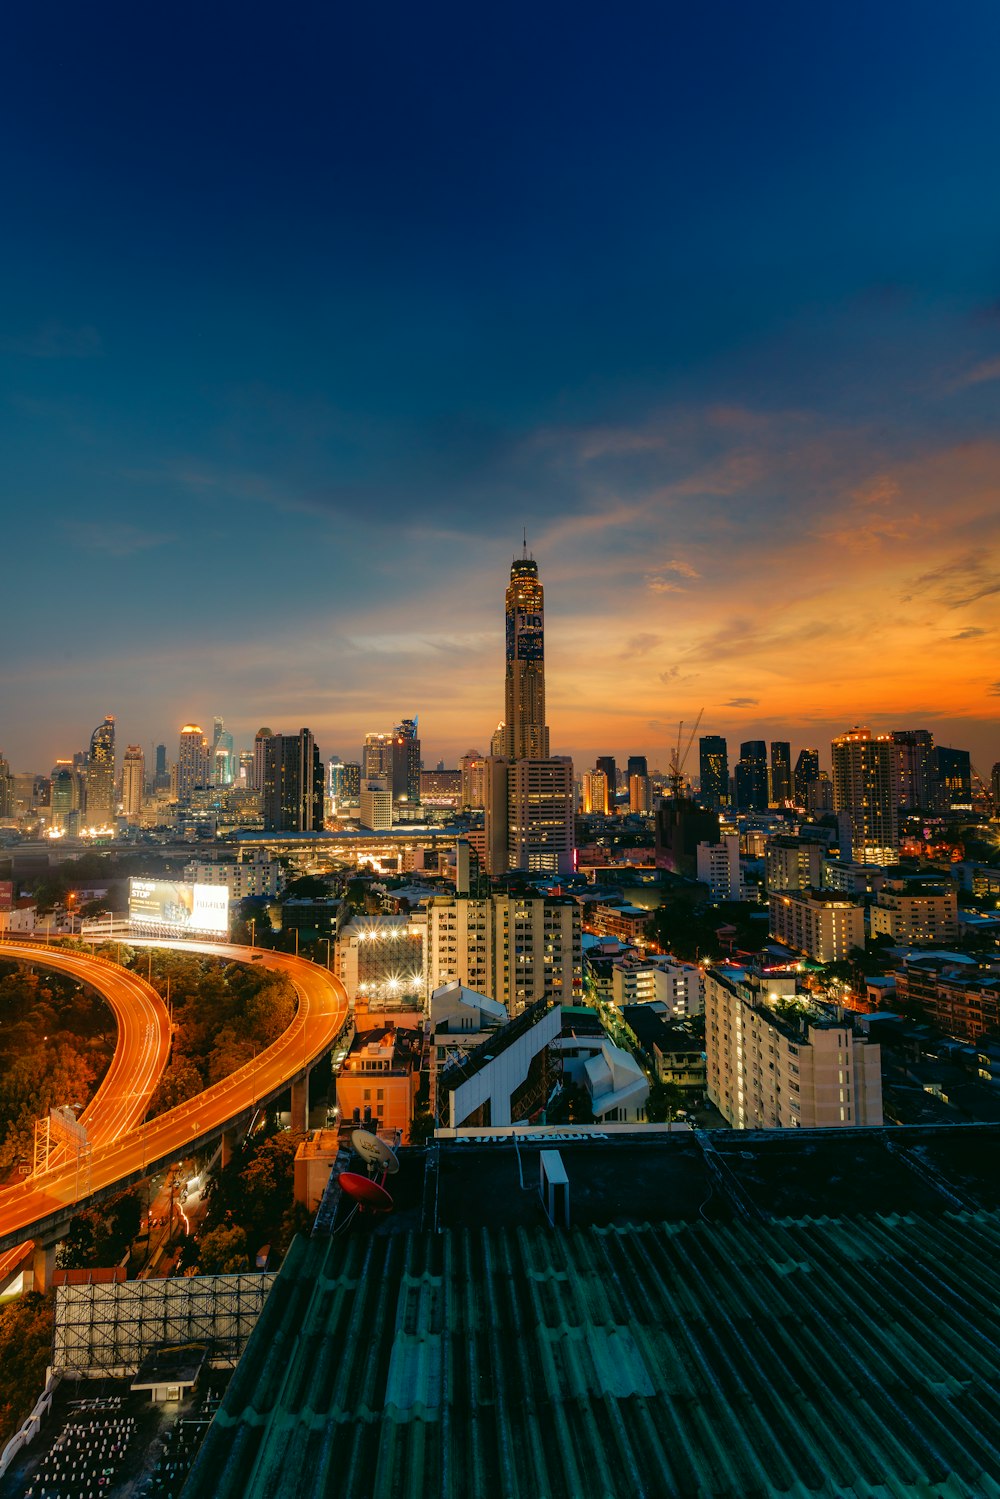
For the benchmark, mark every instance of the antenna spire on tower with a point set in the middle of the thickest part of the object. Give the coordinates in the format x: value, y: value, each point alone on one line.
x: 525, y: 541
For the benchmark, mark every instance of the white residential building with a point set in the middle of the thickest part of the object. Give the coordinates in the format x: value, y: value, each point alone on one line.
x: 718, y: 867
x: 677, y: 988
x: 257, y: 876
x: 825, y: 927
x: 776, y: 1059
x: 516, y: 949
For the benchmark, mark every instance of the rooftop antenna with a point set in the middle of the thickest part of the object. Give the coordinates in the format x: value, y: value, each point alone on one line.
x: 525, y: 542
x: 375, y: 1153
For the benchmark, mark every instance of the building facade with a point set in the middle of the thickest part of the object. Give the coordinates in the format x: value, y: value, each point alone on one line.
x: 775, y: 1060
x: 293, y: 784
x: 864, y: 786
x: 825, y: 927
x: 101, y: 775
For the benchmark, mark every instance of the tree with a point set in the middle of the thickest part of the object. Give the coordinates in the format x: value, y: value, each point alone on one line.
x: 26, y: 1327
x: 665, y: 1099
x: 223, y: 1250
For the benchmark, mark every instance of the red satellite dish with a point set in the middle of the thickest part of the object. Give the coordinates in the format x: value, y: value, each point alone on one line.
x: 368, y: 1195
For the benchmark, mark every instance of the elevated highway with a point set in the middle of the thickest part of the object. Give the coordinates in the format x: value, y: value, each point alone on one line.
x: 41, y: 1206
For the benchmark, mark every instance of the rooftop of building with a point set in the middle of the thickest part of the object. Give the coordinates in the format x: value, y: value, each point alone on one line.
x: 805, y: 1313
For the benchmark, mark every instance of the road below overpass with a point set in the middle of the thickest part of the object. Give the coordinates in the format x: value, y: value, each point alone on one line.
x: 38, y: 1205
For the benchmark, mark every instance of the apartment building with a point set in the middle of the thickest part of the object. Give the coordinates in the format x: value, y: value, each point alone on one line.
x: 822, y: 925
x: 778, y: 1060
x: 676, y: 988
x: 915, y: 913
x: 515, y: 949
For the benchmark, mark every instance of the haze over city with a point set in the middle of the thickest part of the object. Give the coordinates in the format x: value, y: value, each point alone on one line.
x: 305, y: 327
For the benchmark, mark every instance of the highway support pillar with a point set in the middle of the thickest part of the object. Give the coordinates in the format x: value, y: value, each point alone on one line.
x: 229, y: 1138
x: 43, y: 1264
x: 300, y: 1102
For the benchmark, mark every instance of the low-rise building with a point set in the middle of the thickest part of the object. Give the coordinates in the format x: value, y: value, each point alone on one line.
x: 677, y: 1058
x: 461, y: 1019
x: 379, y: 1078
x: 793, y: 864
x: 915, y: 912
x: 244, y: 878
x: 824, y: 926
x: 628, y: 923
x: 959, y: 996
x: 676, y: 987
x: 778, y: 1059
x: 382, y: 959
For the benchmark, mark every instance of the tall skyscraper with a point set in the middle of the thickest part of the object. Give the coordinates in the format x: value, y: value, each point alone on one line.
x: 951, y: 780
x: 607, y: 764
x: 713, y: 753
x: 376, y: 758
x: 406, y: 762
x: 101, y: 774
x: 781, y: 772
x: 192, y: 761
x: 913, y: 751
x: 751, y: 776
x: 260, y: 756
x: 223, y: 767
x: 473, y: 768
x: 65, y: 799
x: 528, y: 794
x: 806, y: 772
x: 526, y: 733
x: 638, y: 766
x: 6, y: 789
x: 133, y: 782
x: 864, y: 787
x: 293, y: 784
x: 595, y: 791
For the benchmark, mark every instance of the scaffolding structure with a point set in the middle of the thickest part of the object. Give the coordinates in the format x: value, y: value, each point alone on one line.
x: 107, y: 1330
x: 60, y: 1137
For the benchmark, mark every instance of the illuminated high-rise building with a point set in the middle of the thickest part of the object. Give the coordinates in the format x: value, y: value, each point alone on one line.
x: 222, y: 764
x: 595, y: 791
x: 806, y: 772
x: 101, y: 775
x: 473, y: 768
x: 607, y: 764
x: 713, y: 755
x: 6, y: 789
x: 528, y: 800
x: 781, y: 772
x: 293, y: 784
x: 865, y: 789
x: 65, y: 797
x: 406, y: 762
x: 133, y: 782
x: 913, y: 751
x: 751, y: 777
x: 526, y: 734
x: 192, y: 761
x: 260, y: 756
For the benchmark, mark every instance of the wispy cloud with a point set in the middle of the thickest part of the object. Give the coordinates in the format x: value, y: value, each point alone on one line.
x: 963, y: 581
x: 742, y: 702
x: 972, y: 633
x: 987, y: 369
x: 115, y: 539
x: 54, y: 341
x: 993, y: 690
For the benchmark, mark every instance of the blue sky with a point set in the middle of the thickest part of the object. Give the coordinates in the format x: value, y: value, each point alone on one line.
x: 303, y: 315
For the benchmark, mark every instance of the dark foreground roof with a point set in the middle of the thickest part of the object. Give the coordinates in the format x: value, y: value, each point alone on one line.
x: 838, y: 1358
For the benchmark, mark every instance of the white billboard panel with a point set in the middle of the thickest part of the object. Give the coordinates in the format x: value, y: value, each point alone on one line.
x: 175, y: 906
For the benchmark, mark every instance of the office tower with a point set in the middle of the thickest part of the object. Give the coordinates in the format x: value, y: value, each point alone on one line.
x: 637, y: 766
x: 473, y: 768
x: 375, y: 807
x: 406, y: 762
x: 244, y: 771
x: 192, y: 761
x: 912, y: 752
x: 526, y: 735
x: 161, y: 760
x: 540, y: 816
x: 806, y: 772
x: 864, y: 785
x: 498, y: 739
x: 222, y: 759
x: 995, y: 786
x: 595, y: 791
x: 260, y: 757
x: 133, y: 782
x: 293, y: 784
x: 65, y: 795
x: 751, y: 776
x: 640, y: 793
x: 376, y: 758
x: 714, y: 771
x: 607, y: 764
x: 781, y: 772
x: 951, y: 780
x: 6, y: 789
x: 101, y: 775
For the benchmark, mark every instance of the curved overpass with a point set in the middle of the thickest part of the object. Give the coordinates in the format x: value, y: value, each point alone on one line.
x: 320, y: 1015
x: 142, y: 1047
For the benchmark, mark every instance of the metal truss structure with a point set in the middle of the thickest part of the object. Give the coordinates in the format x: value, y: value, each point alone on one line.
x: 109, y: 1329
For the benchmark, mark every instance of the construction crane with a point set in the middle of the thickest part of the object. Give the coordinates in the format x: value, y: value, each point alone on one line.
x: 678, y: 756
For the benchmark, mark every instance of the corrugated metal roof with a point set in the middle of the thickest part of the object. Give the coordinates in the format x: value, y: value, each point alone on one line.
x: 847, y: 1358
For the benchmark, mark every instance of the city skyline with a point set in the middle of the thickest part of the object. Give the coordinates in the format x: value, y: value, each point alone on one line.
x: 284, y: 379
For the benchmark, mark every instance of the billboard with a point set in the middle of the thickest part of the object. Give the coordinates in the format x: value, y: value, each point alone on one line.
x: 198, y: 910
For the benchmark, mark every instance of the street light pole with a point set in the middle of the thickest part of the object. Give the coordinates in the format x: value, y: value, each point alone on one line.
x: 253, y: 931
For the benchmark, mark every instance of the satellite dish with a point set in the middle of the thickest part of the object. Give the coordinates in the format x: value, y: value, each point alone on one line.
x: 374, y: 1152
x: 368, y: 1195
